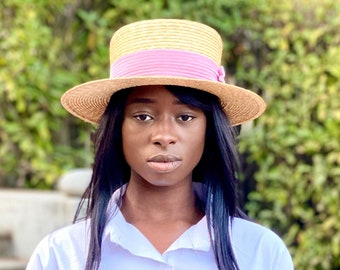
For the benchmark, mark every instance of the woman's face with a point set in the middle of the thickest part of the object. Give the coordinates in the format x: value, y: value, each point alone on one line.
x: 163, y: 139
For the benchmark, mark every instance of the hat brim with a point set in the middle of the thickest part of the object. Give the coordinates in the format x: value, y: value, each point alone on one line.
x: 88, y: 101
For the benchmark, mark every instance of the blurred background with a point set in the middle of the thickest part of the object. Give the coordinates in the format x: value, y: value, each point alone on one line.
x: 286, y: 51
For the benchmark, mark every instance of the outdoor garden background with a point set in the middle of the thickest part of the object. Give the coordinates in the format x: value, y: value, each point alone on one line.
x: 287, y: 51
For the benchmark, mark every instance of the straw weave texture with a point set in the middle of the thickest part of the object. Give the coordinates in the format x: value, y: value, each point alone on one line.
x: 88, y: 101
x: 167, y: 34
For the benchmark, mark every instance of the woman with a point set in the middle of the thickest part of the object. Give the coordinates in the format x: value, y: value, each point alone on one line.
x: 163, y: 189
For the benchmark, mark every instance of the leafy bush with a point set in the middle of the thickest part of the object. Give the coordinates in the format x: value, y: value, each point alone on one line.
x: 296, y: 145
x: 37, y: 140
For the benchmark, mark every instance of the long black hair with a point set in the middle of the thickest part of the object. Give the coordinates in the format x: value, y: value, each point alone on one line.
x: 216, y: 170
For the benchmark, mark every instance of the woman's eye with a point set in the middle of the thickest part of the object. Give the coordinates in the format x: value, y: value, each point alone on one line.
x: 186, y: 118
x: 142, y: 117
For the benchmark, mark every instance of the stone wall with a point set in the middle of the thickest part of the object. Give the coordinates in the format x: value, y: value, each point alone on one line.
x: 29, y: 215
x: 26, y: 216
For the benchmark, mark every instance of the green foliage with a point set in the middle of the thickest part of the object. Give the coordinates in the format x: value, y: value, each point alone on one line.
x: 288, y: 51
x: 34, y: 72
x: 296, y: 146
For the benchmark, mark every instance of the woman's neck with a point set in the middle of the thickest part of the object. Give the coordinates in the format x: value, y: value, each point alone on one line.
x: 143, y: 201
x: 161, y: 214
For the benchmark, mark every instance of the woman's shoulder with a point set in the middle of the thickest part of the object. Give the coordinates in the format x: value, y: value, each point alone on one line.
x: 253, y: 242
x: 245, y: 232
x: 69, y: 235
x: 245, y: 228
x: 61, y: 247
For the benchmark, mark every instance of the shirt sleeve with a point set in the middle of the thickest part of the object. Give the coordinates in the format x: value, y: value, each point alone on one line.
x: 258, y: 248
x: 43, y: 257
x: 275, y: 253
x: 285, y: 262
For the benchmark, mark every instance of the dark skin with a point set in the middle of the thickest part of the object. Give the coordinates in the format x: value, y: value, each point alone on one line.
x: 163, y: 141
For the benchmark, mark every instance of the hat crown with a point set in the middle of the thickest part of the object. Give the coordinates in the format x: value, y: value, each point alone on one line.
x: 173, y: 34
x: 164, y: 52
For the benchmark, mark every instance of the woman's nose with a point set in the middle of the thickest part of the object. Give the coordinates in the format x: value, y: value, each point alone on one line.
x: 164, y: 133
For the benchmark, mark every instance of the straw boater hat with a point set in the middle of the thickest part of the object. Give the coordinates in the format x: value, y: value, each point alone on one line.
x: 164, y: 52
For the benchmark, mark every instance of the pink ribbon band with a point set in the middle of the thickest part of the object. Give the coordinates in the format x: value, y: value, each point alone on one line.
x: 174, y: 63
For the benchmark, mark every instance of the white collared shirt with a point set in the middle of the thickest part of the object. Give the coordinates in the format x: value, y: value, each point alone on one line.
x: 125, y: 247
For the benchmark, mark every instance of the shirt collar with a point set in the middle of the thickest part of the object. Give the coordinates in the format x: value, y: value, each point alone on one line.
x: 124, y: 234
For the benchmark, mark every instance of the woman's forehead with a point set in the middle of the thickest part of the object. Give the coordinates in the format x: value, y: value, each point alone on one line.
x: 150, y: 94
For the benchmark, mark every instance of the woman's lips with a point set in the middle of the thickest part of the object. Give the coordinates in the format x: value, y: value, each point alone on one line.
x: 164, y: 163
